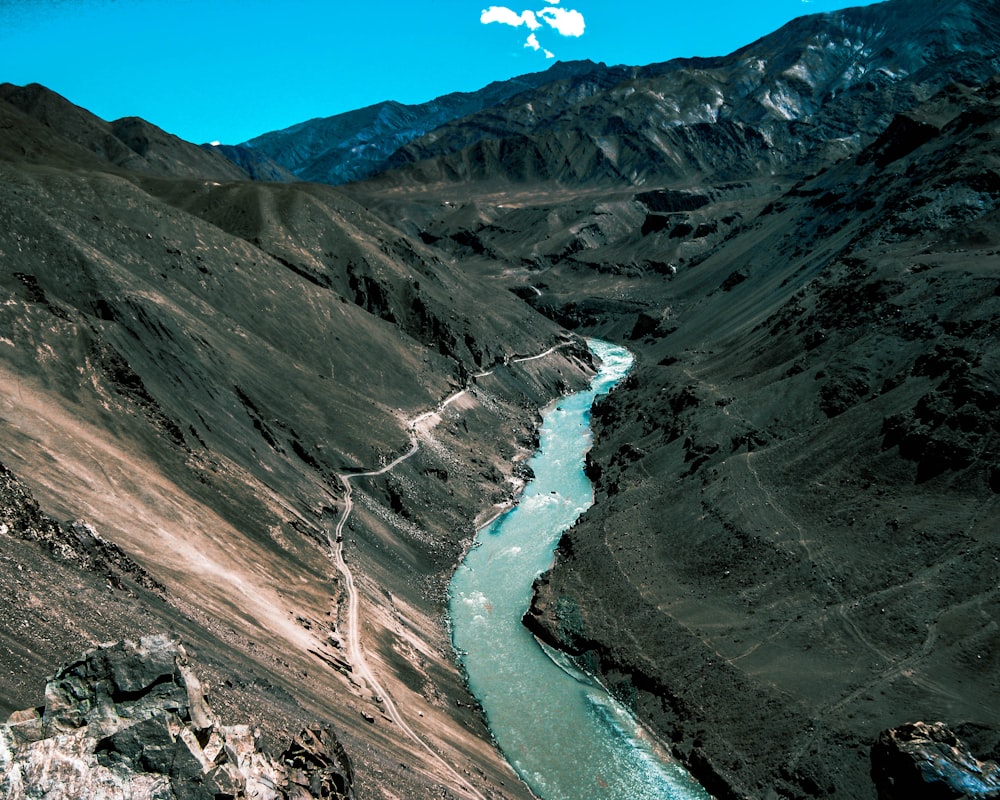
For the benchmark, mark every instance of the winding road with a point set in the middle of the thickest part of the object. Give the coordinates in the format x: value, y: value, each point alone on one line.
x: 354, y: 651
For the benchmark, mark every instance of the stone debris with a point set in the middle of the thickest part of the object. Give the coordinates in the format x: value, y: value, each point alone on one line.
x: 129, y: 721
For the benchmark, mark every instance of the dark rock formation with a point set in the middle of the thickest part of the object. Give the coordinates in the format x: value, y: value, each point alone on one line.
x: 77, y: 542
x: 663, y: 201
x: 927, y: 760
x: 130, y: 720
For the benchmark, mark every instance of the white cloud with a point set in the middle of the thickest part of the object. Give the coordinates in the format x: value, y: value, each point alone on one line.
x: 507, y: 16
x: 566, y: 21
x: 500, y: 14
x: 533, y: 43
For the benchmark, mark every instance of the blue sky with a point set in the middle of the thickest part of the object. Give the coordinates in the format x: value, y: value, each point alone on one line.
x: 228, y: 70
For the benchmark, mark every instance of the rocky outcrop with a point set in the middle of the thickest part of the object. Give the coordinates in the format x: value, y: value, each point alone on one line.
x: 954, y: 426
x: 130, y: 720
x: 76, y: 542
x: 928, y: 760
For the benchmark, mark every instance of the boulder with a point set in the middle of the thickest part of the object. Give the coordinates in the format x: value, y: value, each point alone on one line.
x: 129, y: 721
x: 927, y: 760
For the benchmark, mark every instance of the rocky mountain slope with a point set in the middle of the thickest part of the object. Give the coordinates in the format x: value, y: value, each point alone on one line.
x: 355, y: 145
x: 190, y: 366
x: 254, y: 163
x: 793, y: 546
x: 815, y: 89
x: 794, y: 541
x: 50, y: 129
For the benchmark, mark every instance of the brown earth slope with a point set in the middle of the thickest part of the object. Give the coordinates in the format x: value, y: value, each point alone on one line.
x: 189, y: 366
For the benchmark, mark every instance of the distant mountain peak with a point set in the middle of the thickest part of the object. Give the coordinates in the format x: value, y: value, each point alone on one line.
x: 355, y: 144
x: 584, y: 120
x: 129, y: 143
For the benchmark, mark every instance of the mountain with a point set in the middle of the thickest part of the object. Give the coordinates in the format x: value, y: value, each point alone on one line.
x: 354, y: 145
x: 236, y: 410
x: 191, y: 365
x: 818, y: 88
x: 130, y: 143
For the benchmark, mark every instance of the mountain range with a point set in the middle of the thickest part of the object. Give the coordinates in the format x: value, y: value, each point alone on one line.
x: 224, y: 365
x: 355, y: 145
x: 810, y: 91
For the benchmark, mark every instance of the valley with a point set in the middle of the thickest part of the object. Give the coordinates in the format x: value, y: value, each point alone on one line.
x: 280, y: 409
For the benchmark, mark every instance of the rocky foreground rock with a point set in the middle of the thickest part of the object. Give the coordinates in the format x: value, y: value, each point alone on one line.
x: 928, y: 760
x: 130, y: 721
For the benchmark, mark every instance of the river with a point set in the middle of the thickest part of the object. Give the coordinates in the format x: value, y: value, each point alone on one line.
x: 565, y: 736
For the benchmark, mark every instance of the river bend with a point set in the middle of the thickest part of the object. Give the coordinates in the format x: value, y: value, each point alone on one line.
x: 563, y: 734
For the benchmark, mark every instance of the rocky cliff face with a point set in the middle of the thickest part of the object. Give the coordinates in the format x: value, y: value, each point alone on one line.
x: 131, y: 720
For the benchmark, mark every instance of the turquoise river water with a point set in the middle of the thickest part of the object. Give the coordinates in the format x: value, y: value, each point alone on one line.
x: 565, y: 736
